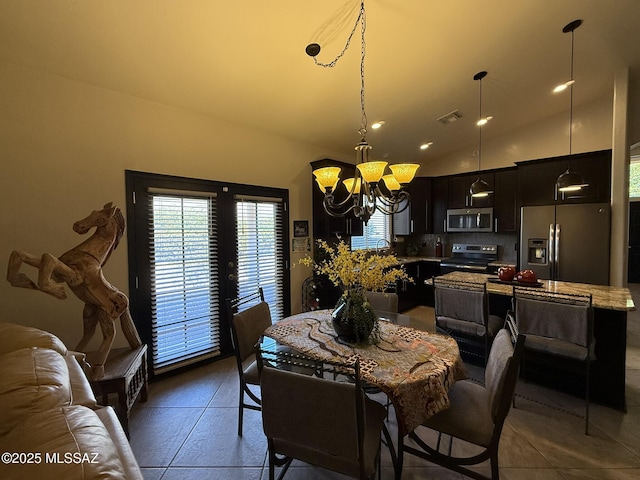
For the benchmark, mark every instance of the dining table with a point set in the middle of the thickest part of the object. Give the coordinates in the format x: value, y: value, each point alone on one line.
x: 414, y: 368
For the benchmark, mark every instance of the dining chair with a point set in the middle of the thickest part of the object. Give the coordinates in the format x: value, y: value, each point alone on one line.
x: 476, y: 413
x: 557, y: 325
x: 462, y: 310
x: 248, y: 317
x: 320, y: 420
x: 383, y: 301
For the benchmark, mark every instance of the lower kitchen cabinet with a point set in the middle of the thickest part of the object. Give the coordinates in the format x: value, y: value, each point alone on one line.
x: 411, y: 295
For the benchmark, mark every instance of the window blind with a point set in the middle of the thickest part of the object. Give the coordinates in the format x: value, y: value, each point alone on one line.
x: 184, y: 279
x: 260, y: 249
x: 376, y: 229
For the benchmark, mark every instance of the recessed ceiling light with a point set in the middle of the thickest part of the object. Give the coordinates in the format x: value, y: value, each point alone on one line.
x: 484, y: 121
x: 424, y: 146
x: 377, y: 125
x: 563, y: 86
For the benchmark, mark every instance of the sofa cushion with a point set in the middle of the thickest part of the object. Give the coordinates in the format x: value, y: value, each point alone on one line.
x: 16, y: 337
x: 74, y: 443
x: 32, y: 380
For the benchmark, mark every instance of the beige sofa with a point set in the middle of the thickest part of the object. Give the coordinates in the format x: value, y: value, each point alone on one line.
x: 50, y: 424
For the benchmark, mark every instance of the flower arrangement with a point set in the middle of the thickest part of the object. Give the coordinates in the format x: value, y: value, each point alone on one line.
x: 356, y: 272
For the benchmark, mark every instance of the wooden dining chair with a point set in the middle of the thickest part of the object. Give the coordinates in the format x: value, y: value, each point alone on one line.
x: 320, y: 420
x: 557, y: 325
x: 476, y: 413
x: 462, y: 310
x: 248, y: 317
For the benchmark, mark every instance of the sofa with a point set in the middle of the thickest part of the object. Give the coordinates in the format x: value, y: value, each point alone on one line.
x: 50, y: 423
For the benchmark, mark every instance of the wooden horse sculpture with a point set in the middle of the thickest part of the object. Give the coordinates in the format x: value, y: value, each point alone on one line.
x: 81, y: 269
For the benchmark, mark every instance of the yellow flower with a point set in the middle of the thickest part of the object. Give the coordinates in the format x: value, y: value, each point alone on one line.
x: 357, y: 269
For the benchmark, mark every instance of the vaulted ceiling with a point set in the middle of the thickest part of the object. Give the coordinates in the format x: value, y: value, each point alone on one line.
x: 245, y: 62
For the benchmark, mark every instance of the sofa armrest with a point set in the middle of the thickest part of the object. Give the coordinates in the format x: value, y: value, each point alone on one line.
x: 129, y: 463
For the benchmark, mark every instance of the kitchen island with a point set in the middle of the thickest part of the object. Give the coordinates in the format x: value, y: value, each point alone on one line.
x: 610, y: 305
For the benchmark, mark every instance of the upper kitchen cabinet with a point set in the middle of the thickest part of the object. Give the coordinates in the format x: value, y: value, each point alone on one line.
x: 415, y: 218
x: 326, y: 226
x: 459, y: 196
x: 439, y: 196
x: 537, y: 179
x: 504, y: 200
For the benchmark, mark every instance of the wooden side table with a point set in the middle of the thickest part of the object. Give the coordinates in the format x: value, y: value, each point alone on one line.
x: 125, y: 374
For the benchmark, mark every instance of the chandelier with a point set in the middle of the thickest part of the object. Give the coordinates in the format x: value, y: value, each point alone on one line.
x: 371, y: 188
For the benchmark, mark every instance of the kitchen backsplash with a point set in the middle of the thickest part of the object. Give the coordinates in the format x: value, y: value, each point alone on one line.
x: 426, y: 244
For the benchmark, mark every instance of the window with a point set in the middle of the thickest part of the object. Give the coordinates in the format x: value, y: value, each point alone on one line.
x: 259, y: 251
x: 184, y: 287
x: 376, y: 230
x: 634, y: 178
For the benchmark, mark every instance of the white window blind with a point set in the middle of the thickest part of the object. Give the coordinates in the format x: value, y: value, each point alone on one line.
x: 184, y: 279
x: 259, y: 225
x: 376, y: 229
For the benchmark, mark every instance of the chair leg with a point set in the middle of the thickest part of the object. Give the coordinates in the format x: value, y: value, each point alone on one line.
x: 240, y: 410
x: 586, y: 397
x: 495, y: 471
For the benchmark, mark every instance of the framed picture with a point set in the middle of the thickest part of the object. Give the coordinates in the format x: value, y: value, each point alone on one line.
x: 300, y: 228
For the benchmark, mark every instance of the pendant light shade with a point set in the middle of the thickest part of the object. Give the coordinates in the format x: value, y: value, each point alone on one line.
x: 570, y: 181
x: 480, y: 188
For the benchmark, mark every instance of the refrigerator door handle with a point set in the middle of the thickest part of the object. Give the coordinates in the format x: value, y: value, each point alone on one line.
x: 557, y: 251
x: 551, y: 254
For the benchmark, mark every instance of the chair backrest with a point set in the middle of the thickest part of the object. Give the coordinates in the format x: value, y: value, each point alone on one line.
x: 562, y: 316
x: 319, y: 418
x: 383, y: 302
x: 499, y: 378
x: 247, y: 323
x: 461, y: 300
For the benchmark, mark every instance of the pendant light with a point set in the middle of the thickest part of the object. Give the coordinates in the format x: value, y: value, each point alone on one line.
x: 364, y: 193
x: 570, y: 181
x: 480, y: 188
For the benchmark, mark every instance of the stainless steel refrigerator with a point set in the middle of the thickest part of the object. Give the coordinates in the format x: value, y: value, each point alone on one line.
x: 567, y: 242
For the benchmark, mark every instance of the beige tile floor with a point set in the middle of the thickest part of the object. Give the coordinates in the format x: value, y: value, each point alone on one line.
x: 187, y: 430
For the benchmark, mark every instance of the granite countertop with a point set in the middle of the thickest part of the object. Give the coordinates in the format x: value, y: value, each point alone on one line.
x: 604, y: 296
x: 402, y: 260
x: 502, y: 263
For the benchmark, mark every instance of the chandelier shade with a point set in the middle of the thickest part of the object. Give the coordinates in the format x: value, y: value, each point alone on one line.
x: 327, y: 177
x: 570, y: 182
x: 364, y: 193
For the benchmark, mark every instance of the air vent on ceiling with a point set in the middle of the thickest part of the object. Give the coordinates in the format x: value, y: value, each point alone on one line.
x: 450, y: 117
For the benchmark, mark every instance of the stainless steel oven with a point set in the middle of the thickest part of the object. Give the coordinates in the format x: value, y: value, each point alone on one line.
x: 472, y: 258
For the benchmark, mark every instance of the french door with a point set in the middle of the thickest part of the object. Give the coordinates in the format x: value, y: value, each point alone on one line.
x: 192, y: 244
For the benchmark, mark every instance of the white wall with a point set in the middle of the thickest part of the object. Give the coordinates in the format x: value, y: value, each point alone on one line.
x: 65, y: 146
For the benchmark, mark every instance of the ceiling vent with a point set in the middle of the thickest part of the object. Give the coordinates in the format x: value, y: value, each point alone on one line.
x: 450, y: 117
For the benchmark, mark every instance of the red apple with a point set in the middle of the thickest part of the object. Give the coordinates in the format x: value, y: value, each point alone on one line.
x: 507, y: 273
x: 526, y: 276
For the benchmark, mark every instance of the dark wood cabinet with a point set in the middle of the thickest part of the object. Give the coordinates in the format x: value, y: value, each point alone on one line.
x: 537, y: 179
x: 415, y: 218
x: 439, y: 196
x: 459, y: 185
x: 504, y: 200
x: 324, y: 225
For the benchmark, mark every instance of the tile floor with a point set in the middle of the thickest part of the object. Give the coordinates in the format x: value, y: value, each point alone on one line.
x: 187, y: 430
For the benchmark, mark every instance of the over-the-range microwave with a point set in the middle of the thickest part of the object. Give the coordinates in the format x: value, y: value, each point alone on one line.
x: 470, y: 220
